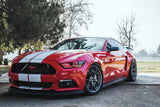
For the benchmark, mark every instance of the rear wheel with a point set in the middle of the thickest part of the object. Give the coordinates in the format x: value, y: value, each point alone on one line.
x: 132, y: 71
x: 94, y: 80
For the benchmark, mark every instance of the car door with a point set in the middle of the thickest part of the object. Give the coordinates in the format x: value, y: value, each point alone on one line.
x: 115, y: 62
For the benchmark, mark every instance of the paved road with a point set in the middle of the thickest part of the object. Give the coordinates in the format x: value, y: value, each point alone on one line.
x: 117, y: 95
x: 145, y: 92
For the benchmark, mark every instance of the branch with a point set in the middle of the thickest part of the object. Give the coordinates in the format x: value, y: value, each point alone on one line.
x: 74, y: 6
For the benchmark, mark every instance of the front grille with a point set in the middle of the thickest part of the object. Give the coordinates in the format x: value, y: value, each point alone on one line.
x: 33, y: 84
x: 33, y: 68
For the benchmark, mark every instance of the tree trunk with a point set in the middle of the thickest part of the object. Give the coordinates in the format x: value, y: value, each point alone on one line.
x: 129, y: 41
x: 19, y: 51
x: 1, y: 56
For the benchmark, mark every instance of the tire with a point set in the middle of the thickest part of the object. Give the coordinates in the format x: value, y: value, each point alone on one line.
x: 132, y: 71
x: 94, y: 80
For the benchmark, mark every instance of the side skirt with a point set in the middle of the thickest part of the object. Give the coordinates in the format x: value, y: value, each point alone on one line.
x: 113, y: 82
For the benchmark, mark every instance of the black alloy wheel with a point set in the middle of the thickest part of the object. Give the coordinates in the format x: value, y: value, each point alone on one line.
x: 132, y: 71
x: 94, y: 80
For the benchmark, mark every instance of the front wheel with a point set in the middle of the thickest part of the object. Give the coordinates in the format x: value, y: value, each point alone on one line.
x: 132, y: 71
x: 94, y: 80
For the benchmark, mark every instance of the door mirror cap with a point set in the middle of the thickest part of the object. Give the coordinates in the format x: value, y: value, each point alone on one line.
x: 114, y: 49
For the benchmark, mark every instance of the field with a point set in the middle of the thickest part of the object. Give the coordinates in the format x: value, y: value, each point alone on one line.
x: 148, y: 66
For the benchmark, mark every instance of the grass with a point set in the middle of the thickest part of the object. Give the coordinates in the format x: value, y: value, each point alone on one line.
x: 148, y: 66
x: 3, y: 69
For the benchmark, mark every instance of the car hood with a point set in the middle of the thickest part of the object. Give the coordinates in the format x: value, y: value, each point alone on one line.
x: 55, y: 55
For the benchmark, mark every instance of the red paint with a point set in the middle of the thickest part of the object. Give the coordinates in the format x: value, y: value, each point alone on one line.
x: 114, y: 65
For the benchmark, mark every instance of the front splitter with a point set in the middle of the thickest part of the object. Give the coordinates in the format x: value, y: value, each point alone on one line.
x: 43, y: 92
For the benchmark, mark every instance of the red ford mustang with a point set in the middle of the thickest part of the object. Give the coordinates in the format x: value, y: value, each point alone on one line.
x: 73, y: 65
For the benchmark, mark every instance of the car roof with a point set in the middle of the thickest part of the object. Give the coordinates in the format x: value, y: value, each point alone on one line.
x: 89, y: 37
x: 92, y: 37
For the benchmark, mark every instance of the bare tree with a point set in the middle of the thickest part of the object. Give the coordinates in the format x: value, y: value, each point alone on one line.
x: 76, y: 14
x: 126, y: 30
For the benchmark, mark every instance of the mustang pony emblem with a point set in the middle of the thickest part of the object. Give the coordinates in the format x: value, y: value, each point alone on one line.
x: 32, y: 67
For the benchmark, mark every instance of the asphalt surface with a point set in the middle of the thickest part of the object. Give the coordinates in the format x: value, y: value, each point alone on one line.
x: 117, y: 95
x: 144, y: 92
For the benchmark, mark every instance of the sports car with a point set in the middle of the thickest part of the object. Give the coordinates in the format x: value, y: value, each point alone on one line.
x: 83, y: 64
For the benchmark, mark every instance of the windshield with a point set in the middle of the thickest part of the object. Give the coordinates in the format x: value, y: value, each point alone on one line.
x: 94, y: 44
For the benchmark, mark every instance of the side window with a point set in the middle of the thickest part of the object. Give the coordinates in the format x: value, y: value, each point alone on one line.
x: 114, y: 43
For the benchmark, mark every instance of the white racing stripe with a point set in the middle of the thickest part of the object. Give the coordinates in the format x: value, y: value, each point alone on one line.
x: 38, y: 57
x: 24, y: 87
x: 29, y: 77
x: 30, y: 56
x: 30, y: 88
x: 35, y: 88
x: 41, y: 57
x: 23, y: 77
x: 34, y: 77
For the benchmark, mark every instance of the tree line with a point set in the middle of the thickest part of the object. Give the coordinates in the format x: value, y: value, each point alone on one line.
x: 144, y: 53
x: 29, y: 24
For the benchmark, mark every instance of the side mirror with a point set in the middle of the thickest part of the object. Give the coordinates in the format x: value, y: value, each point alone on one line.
x: 50, y: 48
x: 114, y: 48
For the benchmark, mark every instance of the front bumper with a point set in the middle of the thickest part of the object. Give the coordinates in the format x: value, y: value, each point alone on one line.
x: 36, y: 81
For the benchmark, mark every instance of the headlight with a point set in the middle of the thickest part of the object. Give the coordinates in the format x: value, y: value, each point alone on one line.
x: 69, y: 65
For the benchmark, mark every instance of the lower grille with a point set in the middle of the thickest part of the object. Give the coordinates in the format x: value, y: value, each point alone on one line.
x: 33, y: 84
x: 33, y: 68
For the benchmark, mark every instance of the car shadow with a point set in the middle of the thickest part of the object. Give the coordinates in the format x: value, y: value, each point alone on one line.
x: 17, y: 95
x: 57, y: 97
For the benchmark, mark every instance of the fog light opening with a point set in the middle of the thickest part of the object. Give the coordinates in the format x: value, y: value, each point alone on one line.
x: 67, y: 83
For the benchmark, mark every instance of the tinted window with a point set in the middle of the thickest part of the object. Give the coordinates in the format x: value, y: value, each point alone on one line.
x: 95, y: 44
x: 114, y: 43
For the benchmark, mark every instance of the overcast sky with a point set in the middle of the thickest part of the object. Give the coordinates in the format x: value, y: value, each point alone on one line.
x: 106, y: 13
